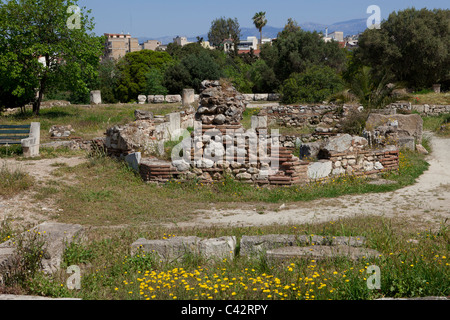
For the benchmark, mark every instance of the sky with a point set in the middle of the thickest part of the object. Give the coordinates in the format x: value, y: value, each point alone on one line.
x: 150, y: 18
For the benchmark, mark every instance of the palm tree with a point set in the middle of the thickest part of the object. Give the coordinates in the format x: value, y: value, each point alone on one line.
x: 372, y: 93
x: 260, y: 22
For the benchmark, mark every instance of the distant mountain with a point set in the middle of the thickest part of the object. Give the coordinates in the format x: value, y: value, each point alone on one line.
x: 349, y: 27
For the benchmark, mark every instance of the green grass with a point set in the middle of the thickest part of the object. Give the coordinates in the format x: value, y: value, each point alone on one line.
x: 87, y: 121
x: 13, y: 181
x: 429, y: 97
x: 440, y: 125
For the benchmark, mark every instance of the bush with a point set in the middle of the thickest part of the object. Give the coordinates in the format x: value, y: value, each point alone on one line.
x: 314, y: 85
x: 354, y: 123
x: 30, y: 250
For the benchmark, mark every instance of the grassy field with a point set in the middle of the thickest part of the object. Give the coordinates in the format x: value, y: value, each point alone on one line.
x: 440, y: 125
x: 429, y: 97
x: 87, y: 121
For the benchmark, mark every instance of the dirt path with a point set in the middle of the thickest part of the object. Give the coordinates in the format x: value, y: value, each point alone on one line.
x: 426, y: 202
x: 24, y: 208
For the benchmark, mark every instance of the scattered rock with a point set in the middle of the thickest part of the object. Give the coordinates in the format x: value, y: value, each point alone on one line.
x: 57, y: 131
x: 143, y: 115
x: 421, y: 149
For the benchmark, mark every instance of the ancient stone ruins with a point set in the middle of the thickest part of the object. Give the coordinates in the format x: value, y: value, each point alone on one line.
x: 275, y: 247
x: 208, y: 141
x: 212, y: 143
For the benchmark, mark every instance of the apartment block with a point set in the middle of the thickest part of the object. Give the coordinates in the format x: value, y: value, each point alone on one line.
x: 151, y: 45
x: 118, y: 45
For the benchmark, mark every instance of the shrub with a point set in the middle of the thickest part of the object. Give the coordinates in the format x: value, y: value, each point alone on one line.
x: 30, y: 249
x: 354, y: 123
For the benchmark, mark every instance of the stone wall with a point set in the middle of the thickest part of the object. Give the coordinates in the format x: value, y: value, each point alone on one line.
x: 422, y: 109
x: 325, y: 118
x: 342, y: 155
x: 236, y: 159
x: 249, y: 97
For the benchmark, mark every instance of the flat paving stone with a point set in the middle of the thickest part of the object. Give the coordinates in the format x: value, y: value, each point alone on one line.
x: 321, y: 252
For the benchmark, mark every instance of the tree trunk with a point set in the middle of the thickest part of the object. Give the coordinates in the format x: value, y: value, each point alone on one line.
x: 37, y: 102
x: 260, y: 38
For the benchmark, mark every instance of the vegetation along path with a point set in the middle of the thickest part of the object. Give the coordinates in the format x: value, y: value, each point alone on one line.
x: 427, y: 202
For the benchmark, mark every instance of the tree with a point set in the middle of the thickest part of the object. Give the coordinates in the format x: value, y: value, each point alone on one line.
x: 176, y: 78
x: 134, y: 69
x: 260, y: 21
x: 291, y: 26
x: 190, y: 72
x: 69, y: 52
x: 263, y: 77
x: 154, y: 85
x: 222, y: 29
x: 314, y: 85
x: 108, y: 78
x: 412, y: 46
x: 371, y: 93
x: 298, y: 50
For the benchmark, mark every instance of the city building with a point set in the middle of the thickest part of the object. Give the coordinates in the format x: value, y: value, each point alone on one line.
x: 228, y: 45
x: 335, y: 36
x: 151, y: 45
x: 181, y: 41
x: 246, y: 45
x: 118, y: 45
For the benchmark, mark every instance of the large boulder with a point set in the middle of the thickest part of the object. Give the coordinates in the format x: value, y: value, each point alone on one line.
x: 143, y: 115
x: 410, y: 125
x: 133, y: 137
x: 310, y: 150
x: 321, y: 253
x: 173, y: 98
x: 320, y: 169
x: 142, y: 99
x: 342, y: 144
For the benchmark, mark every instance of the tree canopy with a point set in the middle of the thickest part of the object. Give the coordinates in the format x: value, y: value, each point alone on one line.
x: 222, y: 29
x: 412, y: 45
x: 45, y: 29
x: 134, y: 71
x: 295, y: 50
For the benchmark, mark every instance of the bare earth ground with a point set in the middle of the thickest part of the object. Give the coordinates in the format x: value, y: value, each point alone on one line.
x: 427, y: 202
x: 23, y: 208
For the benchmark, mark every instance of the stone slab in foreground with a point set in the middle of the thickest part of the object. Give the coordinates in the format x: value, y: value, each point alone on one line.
x: 321, y: 252
x: 178, y: 247
x: 250, y: 245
